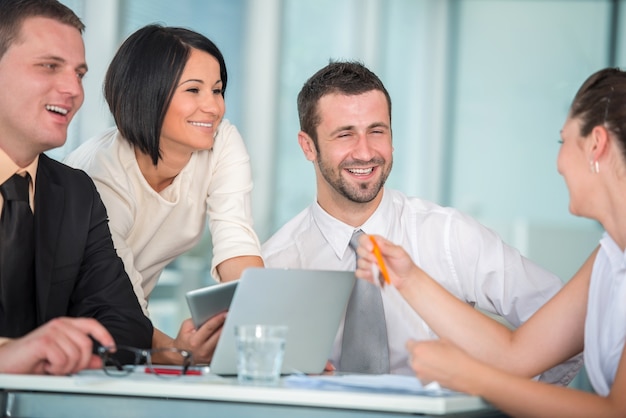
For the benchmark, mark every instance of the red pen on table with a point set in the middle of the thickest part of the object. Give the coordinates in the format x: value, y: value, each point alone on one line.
x: 381, y: 263
x: 172, y: 370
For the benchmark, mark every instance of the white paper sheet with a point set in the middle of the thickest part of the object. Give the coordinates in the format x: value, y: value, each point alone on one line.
x: 376, y: 383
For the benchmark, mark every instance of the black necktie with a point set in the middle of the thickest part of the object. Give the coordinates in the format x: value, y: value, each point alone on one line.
x: 17, y: 259
x: 365, y: 348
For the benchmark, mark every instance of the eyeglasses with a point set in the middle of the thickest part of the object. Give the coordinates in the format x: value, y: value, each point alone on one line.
x: 123, y: 360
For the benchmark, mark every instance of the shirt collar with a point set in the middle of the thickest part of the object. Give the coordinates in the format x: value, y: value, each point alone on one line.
x: 8, y: 168
x: 379, y: 222
x: 617, y: 257
x: 338, y: 234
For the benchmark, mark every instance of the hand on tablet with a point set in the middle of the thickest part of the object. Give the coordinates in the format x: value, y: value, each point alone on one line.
x: 202, y: 341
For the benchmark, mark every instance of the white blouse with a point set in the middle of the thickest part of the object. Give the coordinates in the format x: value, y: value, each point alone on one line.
x: 150, y: 229
x: 605, y: 324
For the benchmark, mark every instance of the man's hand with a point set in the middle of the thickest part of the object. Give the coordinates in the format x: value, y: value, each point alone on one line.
x: 61, y: 346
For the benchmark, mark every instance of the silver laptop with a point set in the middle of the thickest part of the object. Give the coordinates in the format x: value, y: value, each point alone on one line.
x: 310, y: 302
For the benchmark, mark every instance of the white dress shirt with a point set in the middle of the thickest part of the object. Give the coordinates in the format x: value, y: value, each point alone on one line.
x: 468, y: 259
x: 8, y: 168
x: 150, y: 229
x: 605, y: 324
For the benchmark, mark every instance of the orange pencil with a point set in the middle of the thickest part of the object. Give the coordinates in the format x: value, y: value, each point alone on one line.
x: 381, y: 263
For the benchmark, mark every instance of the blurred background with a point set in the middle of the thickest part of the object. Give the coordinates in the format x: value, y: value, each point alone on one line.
x: 480, y: 90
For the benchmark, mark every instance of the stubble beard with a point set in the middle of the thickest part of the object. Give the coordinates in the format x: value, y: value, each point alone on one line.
x: 363, y: 192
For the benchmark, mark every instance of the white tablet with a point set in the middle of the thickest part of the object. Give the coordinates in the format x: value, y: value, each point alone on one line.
x: 209, y: 301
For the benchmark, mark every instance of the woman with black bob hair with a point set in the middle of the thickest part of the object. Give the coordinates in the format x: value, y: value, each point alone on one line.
x: 172, y: 161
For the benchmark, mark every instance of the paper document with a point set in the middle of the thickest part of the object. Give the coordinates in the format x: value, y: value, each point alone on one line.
x: 391, y: 383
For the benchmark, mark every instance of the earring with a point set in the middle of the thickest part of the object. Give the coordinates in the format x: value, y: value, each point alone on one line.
x: 594, y: 166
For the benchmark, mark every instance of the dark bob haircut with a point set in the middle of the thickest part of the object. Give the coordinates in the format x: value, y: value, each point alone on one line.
x: 142, y: 77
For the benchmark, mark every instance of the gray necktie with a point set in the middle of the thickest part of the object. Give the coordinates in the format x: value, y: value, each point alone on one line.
x: 365, y: 348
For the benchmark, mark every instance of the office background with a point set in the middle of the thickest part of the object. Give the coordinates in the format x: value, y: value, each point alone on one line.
x: 480, y: 89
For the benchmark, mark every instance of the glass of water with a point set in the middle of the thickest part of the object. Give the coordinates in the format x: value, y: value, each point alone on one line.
x: 260, y: 351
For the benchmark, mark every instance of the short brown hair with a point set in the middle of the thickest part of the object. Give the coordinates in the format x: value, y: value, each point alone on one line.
x: 344, y: 77
x: 14, y: 12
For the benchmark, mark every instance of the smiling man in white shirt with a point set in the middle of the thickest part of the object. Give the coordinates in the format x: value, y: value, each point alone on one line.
x: 345, y: 120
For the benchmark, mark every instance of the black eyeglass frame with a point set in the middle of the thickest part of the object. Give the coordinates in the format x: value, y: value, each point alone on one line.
x: 112, y: 367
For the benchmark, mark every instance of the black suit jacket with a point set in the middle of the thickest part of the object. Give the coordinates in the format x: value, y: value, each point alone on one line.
x: 78, y: 272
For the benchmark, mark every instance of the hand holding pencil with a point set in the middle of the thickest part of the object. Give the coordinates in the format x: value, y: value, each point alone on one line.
x: 376, y: 254
x: 380, y: 261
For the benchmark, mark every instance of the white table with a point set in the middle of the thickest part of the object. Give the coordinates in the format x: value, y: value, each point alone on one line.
x: 96, y: 395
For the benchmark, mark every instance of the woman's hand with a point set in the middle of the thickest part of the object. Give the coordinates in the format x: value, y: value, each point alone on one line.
x: 443, y: 362
x: 397, y: 261
x: 200, y: 342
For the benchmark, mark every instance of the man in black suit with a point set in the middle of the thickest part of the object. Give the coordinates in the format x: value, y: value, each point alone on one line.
x: 72, y: 287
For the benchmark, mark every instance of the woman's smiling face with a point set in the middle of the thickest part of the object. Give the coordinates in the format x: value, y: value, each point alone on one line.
x: 196, y: 109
